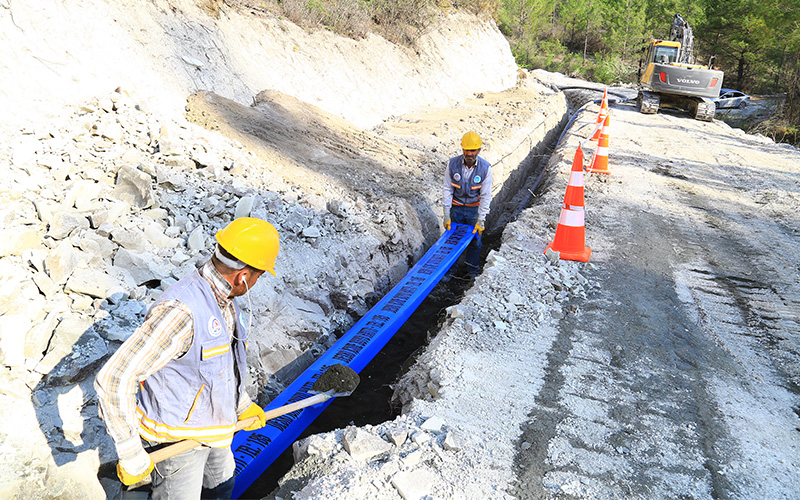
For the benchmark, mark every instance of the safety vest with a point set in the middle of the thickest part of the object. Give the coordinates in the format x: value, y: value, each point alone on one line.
x: 467, y: 192
x: 196, y: 396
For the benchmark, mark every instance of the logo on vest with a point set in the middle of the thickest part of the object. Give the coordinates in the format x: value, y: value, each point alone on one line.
x: 477, y: 179
x: 457, y: 177
x: 214, y: 327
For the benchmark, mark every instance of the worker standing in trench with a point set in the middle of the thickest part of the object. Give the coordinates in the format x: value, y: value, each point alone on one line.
x: 467, y: 196
x: 185, y: 366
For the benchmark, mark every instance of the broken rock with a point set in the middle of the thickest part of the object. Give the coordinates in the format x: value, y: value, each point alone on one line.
x: 433, y: 424
x: 134, y: 186
x: 93, y: 283
x: 415, y: 484
x: 453, y: 441
x: 362, y: 445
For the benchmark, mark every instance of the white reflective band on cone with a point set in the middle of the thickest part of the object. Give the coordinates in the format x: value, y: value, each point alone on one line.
x: 573, y: 218
x: 602, y: 151
x: 576, y: 179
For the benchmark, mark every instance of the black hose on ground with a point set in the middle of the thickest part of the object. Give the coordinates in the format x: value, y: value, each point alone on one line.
x: 538, y: 180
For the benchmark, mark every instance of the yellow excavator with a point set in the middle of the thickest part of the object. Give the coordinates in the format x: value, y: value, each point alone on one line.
x: 670, y: 78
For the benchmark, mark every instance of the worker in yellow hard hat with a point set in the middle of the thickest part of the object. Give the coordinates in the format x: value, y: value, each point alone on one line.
x: 181, y: 375
x: 467, y: 196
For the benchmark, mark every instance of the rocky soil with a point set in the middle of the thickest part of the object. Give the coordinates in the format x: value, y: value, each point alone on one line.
x: 667, y: 367
x: 122, y: 161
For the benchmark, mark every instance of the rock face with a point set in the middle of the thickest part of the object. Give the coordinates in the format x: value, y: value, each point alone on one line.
x: 124, y: 220
x: 116, y: 196
x: 154, y: 49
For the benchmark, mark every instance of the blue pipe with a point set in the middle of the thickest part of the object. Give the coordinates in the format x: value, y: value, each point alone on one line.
x: 254, y: 451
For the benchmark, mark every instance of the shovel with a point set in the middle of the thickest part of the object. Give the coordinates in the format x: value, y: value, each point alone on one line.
x: 336, y: 381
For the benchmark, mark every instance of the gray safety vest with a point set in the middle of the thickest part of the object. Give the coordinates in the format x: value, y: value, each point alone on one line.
x: 196, y: 396
x: 467, y: 192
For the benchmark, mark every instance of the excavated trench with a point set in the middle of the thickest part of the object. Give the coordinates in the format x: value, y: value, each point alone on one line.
x: 370, y: 403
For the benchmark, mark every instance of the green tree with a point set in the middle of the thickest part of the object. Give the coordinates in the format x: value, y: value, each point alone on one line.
x: 627, y: 26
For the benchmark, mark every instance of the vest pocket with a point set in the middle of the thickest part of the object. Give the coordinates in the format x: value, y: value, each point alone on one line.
x: 194, y: 403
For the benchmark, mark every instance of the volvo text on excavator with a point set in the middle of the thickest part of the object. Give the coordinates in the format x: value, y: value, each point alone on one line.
x: 670, y: 78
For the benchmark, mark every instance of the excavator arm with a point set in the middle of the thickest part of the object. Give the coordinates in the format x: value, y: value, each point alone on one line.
x: 681, y: 32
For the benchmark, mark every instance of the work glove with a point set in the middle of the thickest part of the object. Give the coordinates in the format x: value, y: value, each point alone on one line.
x: 446, y: 219
x: 134, y: 470
x: 478, y: 227
x: 254, y: 411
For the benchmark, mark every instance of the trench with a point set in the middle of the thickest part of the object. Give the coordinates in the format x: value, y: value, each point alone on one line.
x: 370, y: 403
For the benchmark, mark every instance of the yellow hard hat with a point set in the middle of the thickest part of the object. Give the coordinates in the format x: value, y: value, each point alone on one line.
x: 471, y: 140
x: 252, y: 241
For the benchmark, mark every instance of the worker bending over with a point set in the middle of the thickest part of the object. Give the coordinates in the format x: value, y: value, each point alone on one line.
x: 467, y: 195
x: 181, y: 375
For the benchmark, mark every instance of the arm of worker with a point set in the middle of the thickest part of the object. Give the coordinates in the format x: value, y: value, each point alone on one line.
x: 165, y: 334
x: 447, y: 199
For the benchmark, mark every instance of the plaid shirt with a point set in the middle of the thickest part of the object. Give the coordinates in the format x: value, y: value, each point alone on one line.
x: 166, y: 334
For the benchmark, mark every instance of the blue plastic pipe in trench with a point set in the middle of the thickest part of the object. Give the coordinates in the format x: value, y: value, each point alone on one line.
x: 254, y: 451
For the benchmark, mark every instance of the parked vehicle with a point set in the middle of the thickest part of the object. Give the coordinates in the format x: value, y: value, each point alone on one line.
x: 729, y: 98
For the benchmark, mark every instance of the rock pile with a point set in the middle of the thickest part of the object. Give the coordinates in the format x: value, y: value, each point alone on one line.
x: 103, y: 210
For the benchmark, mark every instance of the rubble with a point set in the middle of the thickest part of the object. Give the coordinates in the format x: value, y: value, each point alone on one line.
x: 110, y: 193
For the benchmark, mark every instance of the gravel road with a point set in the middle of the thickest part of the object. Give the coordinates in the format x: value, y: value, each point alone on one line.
x: 679, y: 376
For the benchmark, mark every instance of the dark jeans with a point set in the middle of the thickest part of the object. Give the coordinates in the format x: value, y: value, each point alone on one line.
x: 472, y: 255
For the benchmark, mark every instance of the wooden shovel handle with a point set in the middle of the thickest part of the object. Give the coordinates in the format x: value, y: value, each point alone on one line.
x: 189, y: 444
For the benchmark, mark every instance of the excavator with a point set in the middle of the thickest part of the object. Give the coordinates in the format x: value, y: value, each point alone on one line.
x: 672, y: 79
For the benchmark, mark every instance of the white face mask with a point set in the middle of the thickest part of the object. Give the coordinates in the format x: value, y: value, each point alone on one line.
x: 233, y: 264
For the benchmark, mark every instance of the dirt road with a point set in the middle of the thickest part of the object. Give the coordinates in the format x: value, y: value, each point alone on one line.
x: 679, y: 376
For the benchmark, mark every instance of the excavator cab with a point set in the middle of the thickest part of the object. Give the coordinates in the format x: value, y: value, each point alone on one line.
x: 664, y: 54
x: 658, y: 52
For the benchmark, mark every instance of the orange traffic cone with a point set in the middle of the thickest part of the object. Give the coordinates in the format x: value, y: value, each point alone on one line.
x: 601, y: 117
x: 599, y: 163
x: 570, y: 238
x: 574, y: 195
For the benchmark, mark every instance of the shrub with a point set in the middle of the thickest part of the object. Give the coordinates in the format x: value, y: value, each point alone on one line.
x: 346, y: 17
x: 401, y: 21
x: 611, y: 69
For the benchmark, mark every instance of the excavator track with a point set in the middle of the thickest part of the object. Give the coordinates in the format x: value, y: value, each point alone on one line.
x: 647, y: 103
x: 705, y: 110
